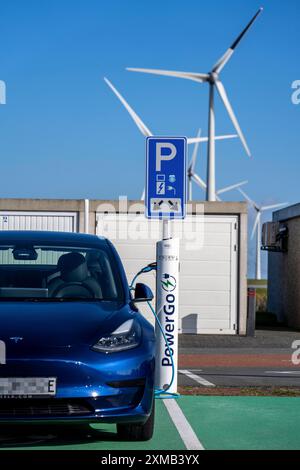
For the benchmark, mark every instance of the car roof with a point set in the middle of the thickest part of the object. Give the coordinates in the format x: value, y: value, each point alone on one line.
x: 45, y: 237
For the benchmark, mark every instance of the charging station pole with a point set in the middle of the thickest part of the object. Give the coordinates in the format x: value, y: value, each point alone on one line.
x: 167, y: 293
x: 165, y: 200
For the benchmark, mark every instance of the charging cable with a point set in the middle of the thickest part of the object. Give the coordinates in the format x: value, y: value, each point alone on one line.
x: 158, y: 392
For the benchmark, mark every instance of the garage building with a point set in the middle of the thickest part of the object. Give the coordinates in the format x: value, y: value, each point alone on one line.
x: 213, y: 251
x: 284, y: 269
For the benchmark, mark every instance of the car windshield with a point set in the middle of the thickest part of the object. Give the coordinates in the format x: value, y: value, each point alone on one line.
x: 31, y: 272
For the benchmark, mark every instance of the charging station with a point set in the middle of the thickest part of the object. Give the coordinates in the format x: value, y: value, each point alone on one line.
x: 166, y: 200
x: 167, y: 293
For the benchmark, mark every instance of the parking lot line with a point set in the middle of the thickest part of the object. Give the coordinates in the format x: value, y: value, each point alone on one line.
x: 183, y: 427
x: 196, y: 378
x: 282, y: 372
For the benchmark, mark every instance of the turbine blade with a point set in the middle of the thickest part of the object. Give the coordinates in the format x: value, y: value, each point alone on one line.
x: 142, y: 127
x: 224, y: 97
x: 199, y: 181
x: 224, y: 137
x: 240, y: 37
x: 194, y: 155
x: 225, y: 58
x: 233, y: 186
x: 222, y: 61
x: 197, y: 77
x: 193, y: 140
x: 274, y: 206
x: 255, y: 224
x: 247, y: 197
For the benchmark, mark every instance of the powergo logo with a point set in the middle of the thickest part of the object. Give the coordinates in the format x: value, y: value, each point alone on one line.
x: 168, y: 284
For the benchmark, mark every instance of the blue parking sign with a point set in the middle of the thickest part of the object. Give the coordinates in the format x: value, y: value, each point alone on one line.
x: 165, y: 196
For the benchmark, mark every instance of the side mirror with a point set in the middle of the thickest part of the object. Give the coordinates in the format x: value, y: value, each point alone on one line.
x: 142, y: 293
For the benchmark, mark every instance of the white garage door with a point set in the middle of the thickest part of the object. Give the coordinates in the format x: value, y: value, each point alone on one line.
x: 50, y: 221
x: 208, y: 265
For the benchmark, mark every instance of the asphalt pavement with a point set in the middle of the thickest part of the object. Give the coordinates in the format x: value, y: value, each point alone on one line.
x: 265, y: 360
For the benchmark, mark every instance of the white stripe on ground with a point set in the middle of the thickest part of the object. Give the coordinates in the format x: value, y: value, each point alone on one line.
x: 282, y: 372
x: 257, y: 286
x: 196, y: 378
x: 182, y: 425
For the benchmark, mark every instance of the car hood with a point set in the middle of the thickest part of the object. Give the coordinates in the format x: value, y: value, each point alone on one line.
x: 31, y: 325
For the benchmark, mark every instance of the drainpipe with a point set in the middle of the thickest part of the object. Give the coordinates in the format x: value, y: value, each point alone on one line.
x: 86, y: 215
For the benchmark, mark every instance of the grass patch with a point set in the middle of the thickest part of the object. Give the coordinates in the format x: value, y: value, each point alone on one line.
x: 257, y: 282
x: 241, y: 391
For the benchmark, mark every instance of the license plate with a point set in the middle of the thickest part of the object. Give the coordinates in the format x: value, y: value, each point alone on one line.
x: 27, y: 386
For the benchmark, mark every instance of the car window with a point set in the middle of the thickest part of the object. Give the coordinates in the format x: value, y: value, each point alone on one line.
x: 55, y: 272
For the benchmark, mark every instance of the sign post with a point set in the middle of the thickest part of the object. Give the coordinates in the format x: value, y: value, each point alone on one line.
x: 166, y: 200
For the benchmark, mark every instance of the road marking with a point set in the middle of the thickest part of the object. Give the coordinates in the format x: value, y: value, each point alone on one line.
x: 182, y: 425
x: 196, y: 378
x: 257, y: 286
x: 282, y: 372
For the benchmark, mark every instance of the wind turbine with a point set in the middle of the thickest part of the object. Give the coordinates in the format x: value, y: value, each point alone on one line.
x: 192, y: 176
x: 146, y: 131
x: 212, y: 78
x: 257, y: 227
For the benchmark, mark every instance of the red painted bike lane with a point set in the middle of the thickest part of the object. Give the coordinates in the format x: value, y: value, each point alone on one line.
x: 236, y: 360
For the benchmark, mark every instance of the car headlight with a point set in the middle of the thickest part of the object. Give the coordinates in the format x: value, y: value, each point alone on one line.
x: 126, y: 336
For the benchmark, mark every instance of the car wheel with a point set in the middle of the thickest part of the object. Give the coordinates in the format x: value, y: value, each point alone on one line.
x: 138, y: 432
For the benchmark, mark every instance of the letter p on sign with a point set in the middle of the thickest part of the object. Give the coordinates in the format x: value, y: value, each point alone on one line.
x: 160, y: 157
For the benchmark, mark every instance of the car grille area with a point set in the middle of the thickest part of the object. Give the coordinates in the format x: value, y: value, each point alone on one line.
x: 43, y: 408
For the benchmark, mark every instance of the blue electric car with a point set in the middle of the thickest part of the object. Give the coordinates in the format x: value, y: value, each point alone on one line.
x: 77, y: 348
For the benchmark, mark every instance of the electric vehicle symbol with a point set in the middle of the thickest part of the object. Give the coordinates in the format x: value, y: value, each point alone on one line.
x: 171, y: 188
x: 160, y: 184
x: 168, y: 283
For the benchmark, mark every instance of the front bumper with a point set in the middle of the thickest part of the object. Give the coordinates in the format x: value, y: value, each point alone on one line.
x: 110, y: 388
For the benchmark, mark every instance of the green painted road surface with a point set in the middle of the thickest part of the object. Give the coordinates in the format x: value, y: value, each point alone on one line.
x: 265, y: 423
x: 262, y: 423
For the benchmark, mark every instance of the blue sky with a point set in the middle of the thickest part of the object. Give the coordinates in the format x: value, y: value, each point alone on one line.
x: 64, y: 134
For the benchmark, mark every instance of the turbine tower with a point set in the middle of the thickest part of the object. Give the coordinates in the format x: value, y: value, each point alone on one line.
x: 212, y: 78
x: 146, y: 131
x: 257, y: 228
